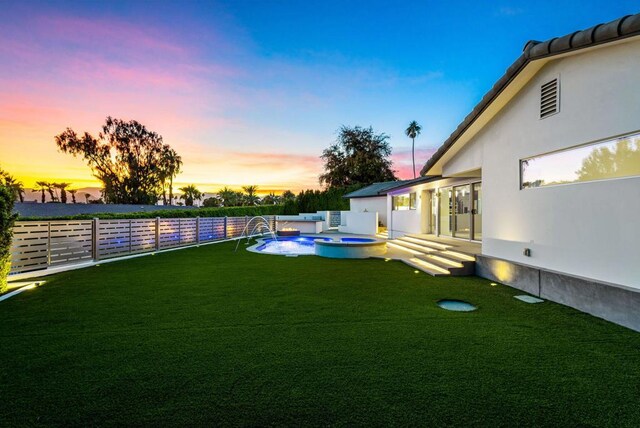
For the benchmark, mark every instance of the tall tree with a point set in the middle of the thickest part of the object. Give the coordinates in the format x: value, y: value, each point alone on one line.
x: 171, y: 164
x: 190, y: 194
x: 63, y: 191
x: 126, y: 157
x: 15, y: 186
x: 251, y: 195
x: 7, y: 220
x: 73, y: 195
x: 41, y: 186
x: 87, y: 197
x: 51, y: 188
x: 412, y: 131
x: 359, y: 157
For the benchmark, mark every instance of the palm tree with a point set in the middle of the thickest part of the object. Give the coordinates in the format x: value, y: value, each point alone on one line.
x: 63, y: 191
x: 171, y: 164
x: 41, y: 186
x: 51, y: 187
x: 228, y: 196
x: 15, y: 186
x: 73, y: 195
x: 251, y: 196
x: 87, y: 196
x: 190, y: 194
x: 412, y: 132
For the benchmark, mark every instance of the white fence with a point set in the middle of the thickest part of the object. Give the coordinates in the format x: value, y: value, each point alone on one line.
x: 38, y: 245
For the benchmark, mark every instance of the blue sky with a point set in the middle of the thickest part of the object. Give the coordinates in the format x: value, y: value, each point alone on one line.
x: 252, y: 92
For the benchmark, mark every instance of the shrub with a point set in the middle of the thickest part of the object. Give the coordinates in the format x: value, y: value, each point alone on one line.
x: 7, y: 220
x: 175, y: 213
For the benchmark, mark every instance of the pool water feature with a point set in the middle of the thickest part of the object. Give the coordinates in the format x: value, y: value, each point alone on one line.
x: 456, y: 305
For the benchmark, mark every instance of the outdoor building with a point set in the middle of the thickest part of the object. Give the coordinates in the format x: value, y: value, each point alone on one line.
x: 544, y: 175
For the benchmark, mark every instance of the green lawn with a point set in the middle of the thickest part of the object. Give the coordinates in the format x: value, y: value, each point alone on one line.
x: 206, y: 336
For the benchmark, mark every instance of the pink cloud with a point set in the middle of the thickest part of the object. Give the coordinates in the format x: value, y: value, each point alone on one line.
x: 402, y: 162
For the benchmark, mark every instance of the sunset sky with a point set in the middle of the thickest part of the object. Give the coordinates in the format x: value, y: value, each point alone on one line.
x: 251, y: 92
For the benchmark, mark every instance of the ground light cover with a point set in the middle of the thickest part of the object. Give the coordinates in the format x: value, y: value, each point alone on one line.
x: 206, y: 336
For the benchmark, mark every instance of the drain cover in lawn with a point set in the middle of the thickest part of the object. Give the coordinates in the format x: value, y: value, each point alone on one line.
x: 456, y: 305
x: 528, y: 299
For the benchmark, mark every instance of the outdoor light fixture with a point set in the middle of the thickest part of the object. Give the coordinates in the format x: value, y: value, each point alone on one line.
x: 527, y: 252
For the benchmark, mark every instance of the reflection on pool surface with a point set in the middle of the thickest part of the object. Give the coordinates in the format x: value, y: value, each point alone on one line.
x: 290, y: 245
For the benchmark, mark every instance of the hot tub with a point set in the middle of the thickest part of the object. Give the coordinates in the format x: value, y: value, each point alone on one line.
x: 350, y: 248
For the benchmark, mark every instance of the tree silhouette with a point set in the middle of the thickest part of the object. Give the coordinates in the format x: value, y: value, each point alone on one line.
x: 412, y: 132
x: 41, y: 186
x: 190, y: 194
x: 251, y: 197
x: 359, y: 157
x: 126, y: 157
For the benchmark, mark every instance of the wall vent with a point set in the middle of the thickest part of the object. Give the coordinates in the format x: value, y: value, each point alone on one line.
x: 549, y: 98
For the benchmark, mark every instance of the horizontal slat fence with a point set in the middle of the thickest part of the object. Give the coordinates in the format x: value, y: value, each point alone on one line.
x: 38, y: 245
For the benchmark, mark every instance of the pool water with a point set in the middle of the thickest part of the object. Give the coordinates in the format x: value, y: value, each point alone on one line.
x: 290, y: 245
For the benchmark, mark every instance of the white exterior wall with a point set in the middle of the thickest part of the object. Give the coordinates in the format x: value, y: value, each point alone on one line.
x: 587, y: 229
x: 375, y: 204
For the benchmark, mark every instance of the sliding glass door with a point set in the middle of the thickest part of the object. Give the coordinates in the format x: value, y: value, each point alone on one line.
x: 462, y: 217
x: 477, y: 211
x: 460, y: 211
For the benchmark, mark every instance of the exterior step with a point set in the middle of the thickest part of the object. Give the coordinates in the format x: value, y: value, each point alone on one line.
x: 456, y: 268
x: 420, y: 249
x: 399, y: 246
x: 421, y: 242
x: 426, y: 267
x: 435, y: 244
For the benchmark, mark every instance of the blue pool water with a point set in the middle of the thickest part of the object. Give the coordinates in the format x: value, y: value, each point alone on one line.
x: 290, y: 245
x: 357, y: 240
x: 456, y: 305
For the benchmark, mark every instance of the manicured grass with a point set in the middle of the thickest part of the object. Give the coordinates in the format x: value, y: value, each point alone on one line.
x: 206, y: 336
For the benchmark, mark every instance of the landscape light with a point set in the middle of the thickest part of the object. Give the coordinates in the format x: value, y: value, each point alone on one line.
x: 493, y: 284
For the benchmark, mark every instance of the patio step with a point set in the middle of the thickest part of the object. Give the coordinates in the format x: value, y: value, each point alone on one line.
x: 383, y: 235
x: 427, y: 267
x: 434, y: 258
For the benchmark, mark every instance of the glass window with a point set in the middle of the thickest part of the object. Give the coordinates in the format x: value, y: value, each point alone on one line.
x: 404, y: 202
x: 613, y: 158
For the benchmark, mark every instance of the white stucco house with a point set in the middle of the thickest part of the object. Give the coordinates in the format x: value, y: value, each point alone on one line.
x: 544, y: 175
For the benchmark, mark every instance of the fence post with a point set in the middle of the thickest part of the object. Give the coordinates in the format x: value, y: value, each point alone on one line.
x: 179, y: 231
x: 198, y: 229
x: 225, y: 227
x: 96, y: 233
x: 49, y: 243
x: 157, y: 233
x: 130, y: 221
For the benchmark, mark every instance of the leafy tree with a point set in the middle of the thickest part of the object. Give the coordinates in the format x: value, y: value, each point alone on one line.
x: 288, y: 195
x: 412, y: 132
x: 190, y: 194
x: 619, y: 160
x: 41, y: 186
x: 271, y: 199
x: 212, y: 202
x: 126, y: 157
x: 359, y: 157
x: 7, y: 220
x: 73, y: 195
x: 251, y: 196
x: 230, y: 198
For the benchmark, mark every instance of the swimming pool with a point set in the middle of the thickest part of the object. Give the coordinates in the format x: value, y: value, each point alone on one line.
x: 338, y: 247
x: 289, y: 245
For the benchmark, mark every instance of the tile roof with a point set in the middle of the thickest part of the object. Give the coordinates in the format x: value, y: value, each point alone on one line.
x: 627, y: 26
x: 375, y: 189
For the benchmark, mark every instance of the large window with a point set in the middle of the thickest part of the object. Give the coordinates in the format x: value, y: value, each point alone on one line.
x: 404, y: 202
x: 615, y: 158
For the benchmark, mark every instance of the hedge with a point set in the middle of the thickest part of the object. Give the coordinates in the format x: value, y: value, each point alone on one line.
x: 196, y: 212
